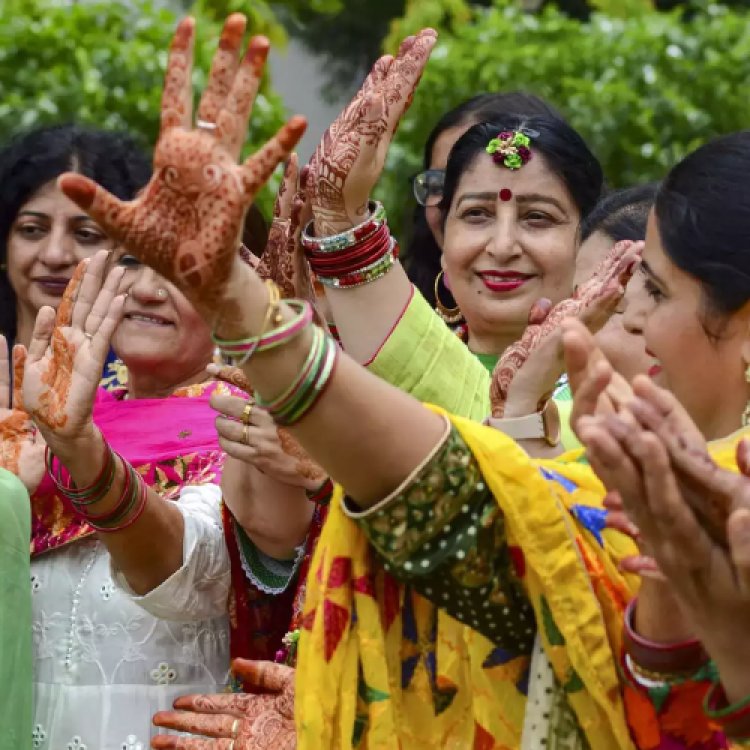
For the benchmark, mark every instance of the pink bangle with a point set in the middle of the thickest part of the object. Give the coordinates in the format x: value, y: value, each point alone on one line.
x: 661, y: 658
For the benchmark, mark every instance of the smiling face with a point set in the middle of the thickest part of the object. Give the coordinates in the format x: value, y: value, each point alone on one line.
x: 501, y: 255
x: 706, y: 372
x: 160, y: 332
x: 47, y: 240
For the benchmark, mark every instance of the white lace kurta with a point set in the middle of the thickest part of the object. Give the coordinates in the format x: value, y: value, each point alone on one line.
x: 102, y: 664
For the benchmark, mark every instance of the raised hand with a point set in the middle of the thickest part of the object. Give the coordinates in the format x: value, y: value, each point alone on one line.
x: 693, y: 515
x: 351, y: 155
x: 527, y: 372
x: 262, y: 720
x: 68, y: 350
x: 283, y: 260
x: 186, y: 223
x: 21, y: 445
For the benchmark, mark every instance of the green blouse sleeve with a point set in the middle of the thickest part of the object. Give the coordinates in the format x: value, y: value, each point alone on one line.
x: 423, y: 357
x: 15, y: 614
x: 444, y: 534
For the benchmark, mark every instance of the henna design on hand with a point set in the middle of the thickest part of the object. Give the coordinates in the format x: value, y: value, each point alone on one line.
x: 306, y: 467
x: 350, y: 157
x: 231, y: 375
x: 21, y: 450
x: 262, y: 720
x: 593, y: 302
x: 186, y: 223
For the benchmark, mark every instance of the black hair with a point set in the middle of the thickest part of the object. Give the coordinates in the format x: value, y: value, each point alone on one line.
x: 565, y: 153
x: 422, y: 256
x: 115, y: 160
x: 622, y: 214
x: 703, y: 220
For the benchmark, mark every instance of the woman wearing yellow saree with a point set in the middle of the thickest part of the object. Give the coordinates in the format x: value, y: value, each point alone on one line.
x: 505, y: 628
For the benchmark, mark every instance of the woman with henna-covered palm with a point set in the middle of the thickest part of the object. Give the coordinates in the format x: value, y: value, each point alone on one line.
x: 102, y: 664
x: 506, y: 628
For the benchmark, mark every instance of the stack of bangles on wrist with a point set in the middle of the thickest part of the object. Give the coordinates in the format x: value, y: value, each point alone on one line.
x: 733, y: 719
x: 307, y: 387
x: 650, y: 663
x: 129, y: 506
x: 358, y: 256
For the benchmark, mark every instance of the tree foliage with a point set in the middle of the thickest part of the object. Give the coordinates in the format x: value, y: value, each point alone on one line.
x: 643, y: 89
x: 101, y: 62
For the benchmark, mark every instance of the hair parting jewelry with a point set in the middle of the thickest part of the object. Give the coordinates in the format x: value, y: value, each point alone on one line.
x: 511, y: 149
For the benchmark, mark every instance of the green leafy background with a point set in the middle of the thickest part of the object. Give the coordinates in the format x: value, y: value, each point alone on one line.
x: 643, y: 84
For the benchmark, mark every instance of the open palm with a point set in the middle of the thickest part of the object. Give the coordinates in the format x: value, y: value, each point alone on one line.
x: 187, y: 221
x: 21, y: 445
x: 68, y: 351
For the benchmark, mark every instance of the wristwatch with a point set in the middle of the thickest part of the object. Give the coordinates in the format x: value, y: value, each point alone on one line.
x: 541, y: 425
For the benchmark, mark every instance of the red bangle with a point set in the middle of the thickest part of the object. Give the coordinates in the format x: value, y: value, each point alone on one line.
x: 734, y: 719
x: 322, y: 495
x: 663, y: 658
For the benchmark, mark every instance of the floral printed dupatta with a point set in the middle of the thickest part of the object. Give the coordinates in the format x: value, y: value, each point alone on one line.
x: 381, y: 667
x: 171, y: 441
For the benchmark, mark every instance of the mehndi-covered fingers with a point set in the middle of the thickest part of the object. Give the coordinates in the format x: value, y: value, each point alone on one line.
x: 235, y: 114
x: 5, y: 402
x: 405, y: 72
x: 170, y: 742
x: 260, y: 166
x: 231, y: 375
x: 114, y: 216
x: 223, y: 69
x: 177, y: 96
x: 89, y: 289
x: 208, y: 724
x: 41, y: 336
x: 19, y: 367
x: 235, y: 705
x: 264, y: 675
x: 64, y: 315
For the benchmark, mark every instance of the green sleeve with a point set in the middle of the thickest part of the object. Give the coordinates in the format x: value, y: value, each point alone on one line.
x: 423, y: 357
x: 15, y: 615
x: 444, y: 534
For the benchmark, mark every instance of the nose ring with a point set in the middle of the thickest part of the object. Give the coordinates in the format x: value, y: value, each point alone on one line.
x: 161, y: 293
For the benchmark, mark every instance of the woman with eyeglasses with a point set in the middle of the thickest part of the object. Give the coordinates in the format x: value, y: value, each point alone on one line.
x: 422, y: 257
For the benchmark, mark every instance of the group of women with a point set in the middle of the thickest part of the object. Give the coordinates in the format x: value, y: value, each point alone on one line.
x: 539, y: 531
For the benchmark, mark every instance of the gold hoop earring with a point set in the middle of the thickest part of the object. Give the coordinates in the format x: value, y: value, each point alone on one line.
x: 449, y: 315
x: 746, y: 413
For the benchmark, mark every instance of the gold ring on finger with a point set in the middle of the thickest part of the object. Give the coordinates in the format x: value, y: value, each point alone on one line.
x: 246, y: 434
x: 231, y: 745
x: 235, y: 729
x: 247, y: 410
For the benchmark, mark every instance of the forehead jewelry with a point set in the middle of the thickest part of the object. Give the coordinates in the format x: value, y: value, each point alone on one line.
x: 505, y: 194
x: 511, y: 148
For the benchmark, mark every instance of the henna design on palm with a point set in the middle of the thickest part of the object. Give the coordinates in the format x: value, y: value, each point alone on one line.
x: 350, y: 157
x: 68, y: 351
x: 21, y: 446
x: 262, y: 720
x: 593, y: 302
x: 187, y: 222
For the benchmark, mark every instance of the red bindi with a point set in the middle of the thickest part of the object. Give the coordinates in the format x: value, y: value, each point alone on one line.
x: 505, y: 194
